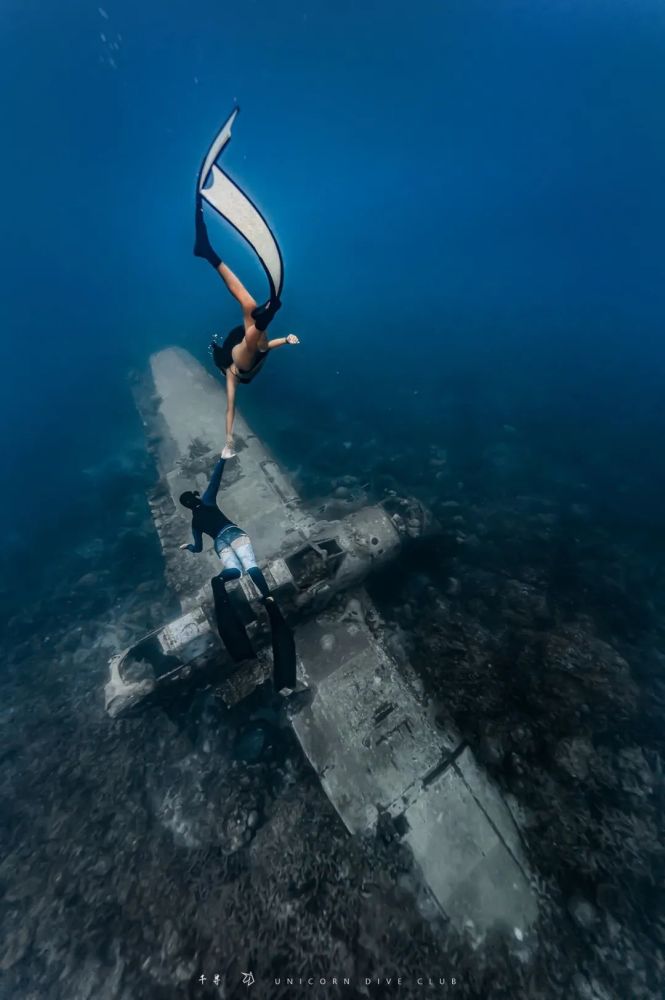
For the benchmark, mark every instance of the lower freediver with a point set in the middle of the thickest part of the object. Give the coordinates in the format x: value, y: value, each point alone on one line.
x: 234, y: 548
x: 245, y: 348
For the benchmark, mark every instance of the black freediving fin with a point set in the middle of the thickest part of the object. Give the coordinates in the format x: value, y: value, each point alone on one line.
x: 231, y: 629
x: 283, y: 648
x: 202, y: 247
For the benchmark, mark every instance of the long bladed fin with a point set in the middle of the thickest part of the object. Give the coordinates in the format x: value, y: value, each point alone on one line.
x: 229, y: 201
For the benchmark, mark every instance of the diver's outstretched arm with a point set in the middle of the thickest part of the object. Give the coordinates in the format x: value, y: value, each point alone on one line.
x: 230, y: 413
x: 281, y: 341
x: 209, y: 498
x: 236, y: 288
x: 198, y: 542
x: 203, y: 249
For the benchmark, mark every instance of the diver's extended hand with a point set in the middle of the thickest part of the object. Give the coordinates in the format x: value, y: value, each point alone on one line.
x: 292, y: 339
x: 228, y: 451
x: 185, y: 545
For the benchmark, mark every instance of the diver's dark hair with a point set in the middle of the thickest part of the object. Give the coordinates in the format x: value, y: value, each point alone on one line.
x: 190, y: 498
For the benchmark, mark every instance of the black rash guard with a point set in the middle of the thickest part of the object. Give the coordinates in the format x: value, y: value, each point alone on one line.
x: 207, y: 518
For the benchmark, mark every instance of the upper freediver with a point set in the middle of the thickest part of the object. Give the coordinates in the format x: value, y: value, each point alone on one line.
x: 245, y: 349
x: 234, y: 548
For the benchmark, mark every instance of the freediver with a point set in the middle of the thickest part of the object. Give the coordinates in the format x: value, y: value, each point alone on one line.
x: 245, y: 348
x: 234, y: 548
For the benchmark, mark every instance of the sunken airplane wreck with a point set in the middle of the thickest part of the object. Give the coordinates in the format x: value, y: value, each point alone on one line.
x: 365, y: 727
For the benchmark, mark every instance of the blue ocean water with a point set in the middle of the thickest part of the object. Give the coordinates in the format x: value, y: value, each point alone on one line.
x: 470, y: 191
x: 470, y: 203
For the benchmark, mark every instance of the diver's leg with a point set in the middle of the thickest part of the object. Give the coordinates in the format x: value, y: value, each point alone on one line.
x: 283, y: 643
x: 243, y: 353
x: 231, y: 629
x: 244, y: 552
x: 238, y: 291
x: 203, y: 249
x: 260, y: 582
x: 231, y: 565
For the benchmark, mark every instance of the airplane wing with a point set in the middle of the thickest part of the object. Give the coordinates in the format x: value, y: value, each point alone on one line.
x: 222, y: 194
x: 181, y: 404
x: 384, y: 753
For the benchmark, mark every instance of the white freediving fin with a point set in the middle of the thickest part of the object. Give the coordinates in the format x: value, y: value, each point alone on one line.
x: 232, y: 204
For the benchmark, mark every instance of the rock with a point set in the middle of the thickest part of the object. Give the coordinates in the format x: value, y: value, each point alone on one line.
x: 184, y: 970
x: 607, y: 895
x: 491, y: 748
x: 589, y: 989
x: 14, y: 946
x: 237, y: 832
x: 636, y: 776
x: 353, y: 611
x: 524, y: 600
x: 574, y: 756
x: 477, y: 607
x: 408, y: 614
x: 583, y: 912
x: 613, y: 928
x: 171, y: 943
x: 28, y: 888
x: 102, y: 868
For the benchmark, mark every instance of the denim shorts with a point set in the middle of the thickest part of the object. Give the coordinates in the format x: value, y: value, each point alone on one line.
x: 234, y: 548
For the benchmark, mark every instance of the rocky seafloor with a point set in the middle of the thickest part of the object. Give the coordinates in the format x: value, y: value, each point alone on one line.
x: 143, y: 854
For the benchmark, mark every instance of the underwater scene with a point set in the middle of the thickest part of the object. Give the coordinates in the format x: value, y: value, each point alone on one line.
x: 333, y: 579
